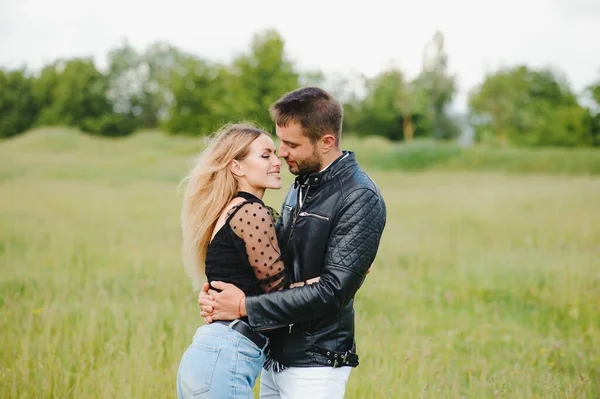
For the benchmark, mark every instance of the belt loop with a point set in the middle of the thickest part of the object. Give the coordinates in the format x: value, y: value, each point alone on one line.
x: 264, y: 348
x: 247, y: 331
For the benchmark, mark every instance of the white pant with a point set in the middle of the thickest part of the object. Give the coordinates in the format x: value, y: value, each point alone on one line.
x: 304, y: 382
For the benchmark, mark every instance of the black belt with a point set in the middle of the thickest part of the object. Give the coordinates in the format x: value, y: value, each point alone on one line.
x: 244, y: 329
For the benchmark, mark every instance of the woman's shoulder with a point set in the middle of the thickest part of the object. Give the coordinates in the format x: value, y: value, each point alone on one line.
x: 251, y: 208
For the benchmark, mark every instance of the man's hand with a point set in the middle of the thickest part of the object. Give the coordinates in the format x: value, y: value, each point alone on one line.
x: 224, y: 305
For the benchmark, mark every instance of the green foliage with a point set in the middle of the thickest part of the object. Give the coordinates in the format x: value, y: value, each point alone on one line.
x: 398, y: 109
x: 202, y: 99
x: 261, y: 76
x: 165, y: 87
x: 435, y: 88
x: 206, y: 96
x: 110, y: 124
x: 127, y: 85
x: 530, y: 107
x: 431, y: 155
x: 389, y: 109
x: 140, y: 83
x: 593, y: 119
x: 385, y: 105
x: 416, y: 156
x: 70, y: 92
x: 594, y: 90
x: 74, y: 93
x: 18, y: 108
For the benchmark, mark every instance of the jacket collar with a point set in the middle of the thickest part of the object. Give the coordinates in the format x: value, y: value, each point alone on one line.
x: 346, y: 160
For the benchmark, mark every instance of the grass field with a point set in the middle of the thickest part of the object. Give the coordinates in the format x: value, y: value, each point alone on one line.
x: 487, y: 285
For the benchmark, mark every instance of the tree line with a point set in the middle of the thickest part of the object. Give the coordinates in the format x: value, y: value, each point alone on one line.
x: 167, y: 88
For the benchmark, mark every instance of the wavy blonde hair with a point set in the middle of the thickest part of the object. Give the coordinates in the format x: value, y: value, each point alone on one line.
x: 210, y: 188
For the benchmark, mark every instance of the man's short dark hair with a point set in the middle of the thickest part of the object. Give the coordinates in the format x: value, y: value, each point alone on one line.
x: 317, y: 112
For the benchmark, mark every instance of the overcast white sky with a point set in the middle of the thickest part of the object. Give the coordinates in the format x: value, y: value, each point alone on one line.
x: 334, y: 36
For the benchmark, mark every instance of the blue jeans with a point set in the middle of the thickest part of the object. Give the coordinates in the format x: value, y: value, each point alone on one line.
x: 220, y: 363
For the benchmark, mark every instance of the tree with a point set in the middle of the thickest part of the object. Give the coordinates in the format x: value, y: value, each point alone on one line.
x: 202, y: 98
x: 70, y: 92
x: 529, y: 107
x: 73, y: 93
x: 261, y: 76
x: 435, y: 87
x: 593, y: 120
x: 594, y: 90
x: 18, y: 109
x: 387, y: 107
x: 127, y: 76
x: 139, y: 84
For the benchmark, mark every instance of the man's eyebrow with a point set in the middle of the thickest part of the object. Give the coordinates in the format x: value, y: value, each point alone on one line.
x: 289, y: 142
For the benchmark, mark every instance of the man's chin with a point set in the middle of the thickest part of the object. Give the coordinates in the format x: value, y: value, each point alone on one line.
x: 293, y: 171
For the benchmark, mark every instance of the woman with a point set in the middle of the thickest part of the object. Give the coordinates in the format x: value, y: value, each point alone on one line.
x: 229, y: 235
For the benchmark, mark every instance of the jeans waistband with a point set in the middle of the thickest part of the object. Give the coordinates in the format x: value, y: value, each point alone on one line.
x: 244, y: 328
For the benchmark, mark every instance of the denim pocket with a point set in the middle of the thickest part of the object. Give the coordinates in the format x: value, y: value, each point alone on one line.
x: 198, y: 365
x: 247, y: 350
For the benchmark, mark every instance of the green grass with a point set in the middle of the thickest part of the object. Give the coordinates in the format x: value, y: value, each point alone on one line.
x: 422, y: 155
x: 487, y: 284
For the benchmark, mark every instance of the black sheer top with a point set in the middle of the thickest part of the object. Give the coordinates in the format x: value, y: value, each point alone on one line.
x: 245, y: 252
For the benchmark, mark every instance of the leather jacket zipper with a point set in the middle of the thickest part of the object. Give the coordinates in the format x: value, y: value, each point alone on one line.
x: 298, y: 202
x: 314, y: 215
x: 297, y: 213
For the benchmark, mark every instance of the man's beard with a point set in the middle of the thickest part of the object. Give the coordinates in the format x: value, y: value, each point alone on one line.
x: 308, y: 166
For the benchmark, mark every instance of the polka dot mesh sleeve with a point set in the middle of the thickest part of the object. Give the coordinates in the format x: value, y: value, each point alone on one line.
x: 253, y: 222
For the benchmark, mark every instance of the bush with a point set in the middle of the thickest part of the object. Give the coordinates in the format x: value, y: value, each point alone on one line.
x: 18, y: 108
x: 112, y: 125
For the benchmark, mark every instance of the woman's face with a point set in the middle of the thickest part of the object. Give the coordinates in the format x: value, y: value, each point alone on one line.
x: 261, y: 168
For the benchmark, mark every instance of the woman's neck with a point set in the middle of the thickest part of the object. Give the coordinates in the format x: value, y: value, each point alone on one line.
x: 257, y: 192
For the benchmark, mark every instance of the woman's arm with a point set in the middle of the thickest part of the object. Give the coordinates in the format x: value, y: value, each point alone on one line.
x: 253, y: 222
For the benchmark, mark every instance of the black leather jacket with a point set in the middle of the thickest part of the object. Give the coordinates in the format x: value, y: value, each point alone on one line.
x: 334, y: 234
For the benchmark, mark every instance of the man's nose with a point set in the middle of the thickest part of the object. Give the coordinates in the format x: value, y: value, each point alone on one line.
x: 283, y: 152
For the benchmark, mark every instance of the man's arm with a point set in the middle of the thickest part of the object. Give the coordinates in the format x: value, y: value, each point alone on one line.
x: 228, y: 300
x: 351, y: 250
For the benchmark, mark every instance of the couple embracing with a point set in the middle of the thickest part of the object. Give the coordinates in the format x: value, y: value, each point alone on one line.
x: 281, y: 285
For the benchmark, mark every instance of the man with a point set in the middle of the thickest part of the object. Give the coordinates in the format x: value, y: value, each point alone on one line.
x: 331, y: 224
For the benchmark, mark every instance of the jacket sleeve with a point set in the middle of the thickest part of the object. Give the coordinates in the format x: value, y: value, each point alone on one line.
x: 352, y: 247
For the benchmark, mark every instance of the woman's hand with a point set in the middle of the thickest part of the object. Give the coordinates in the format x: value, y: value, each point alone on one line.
x: 303, y: 283
x: 316, y: 280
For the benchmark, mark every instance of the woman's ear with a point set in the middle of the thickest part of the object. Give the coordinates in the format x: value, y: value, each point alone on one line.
x: 236, y: 168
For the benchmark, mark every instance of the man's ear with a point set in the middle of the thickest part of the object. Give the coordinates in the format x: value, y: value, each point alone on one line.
x: 236, y: 168
x: 328, y: 142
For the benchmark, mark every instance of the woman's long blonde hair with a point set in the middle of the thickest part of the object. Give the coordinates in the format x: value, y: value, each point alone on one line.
x: 210, y: 187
